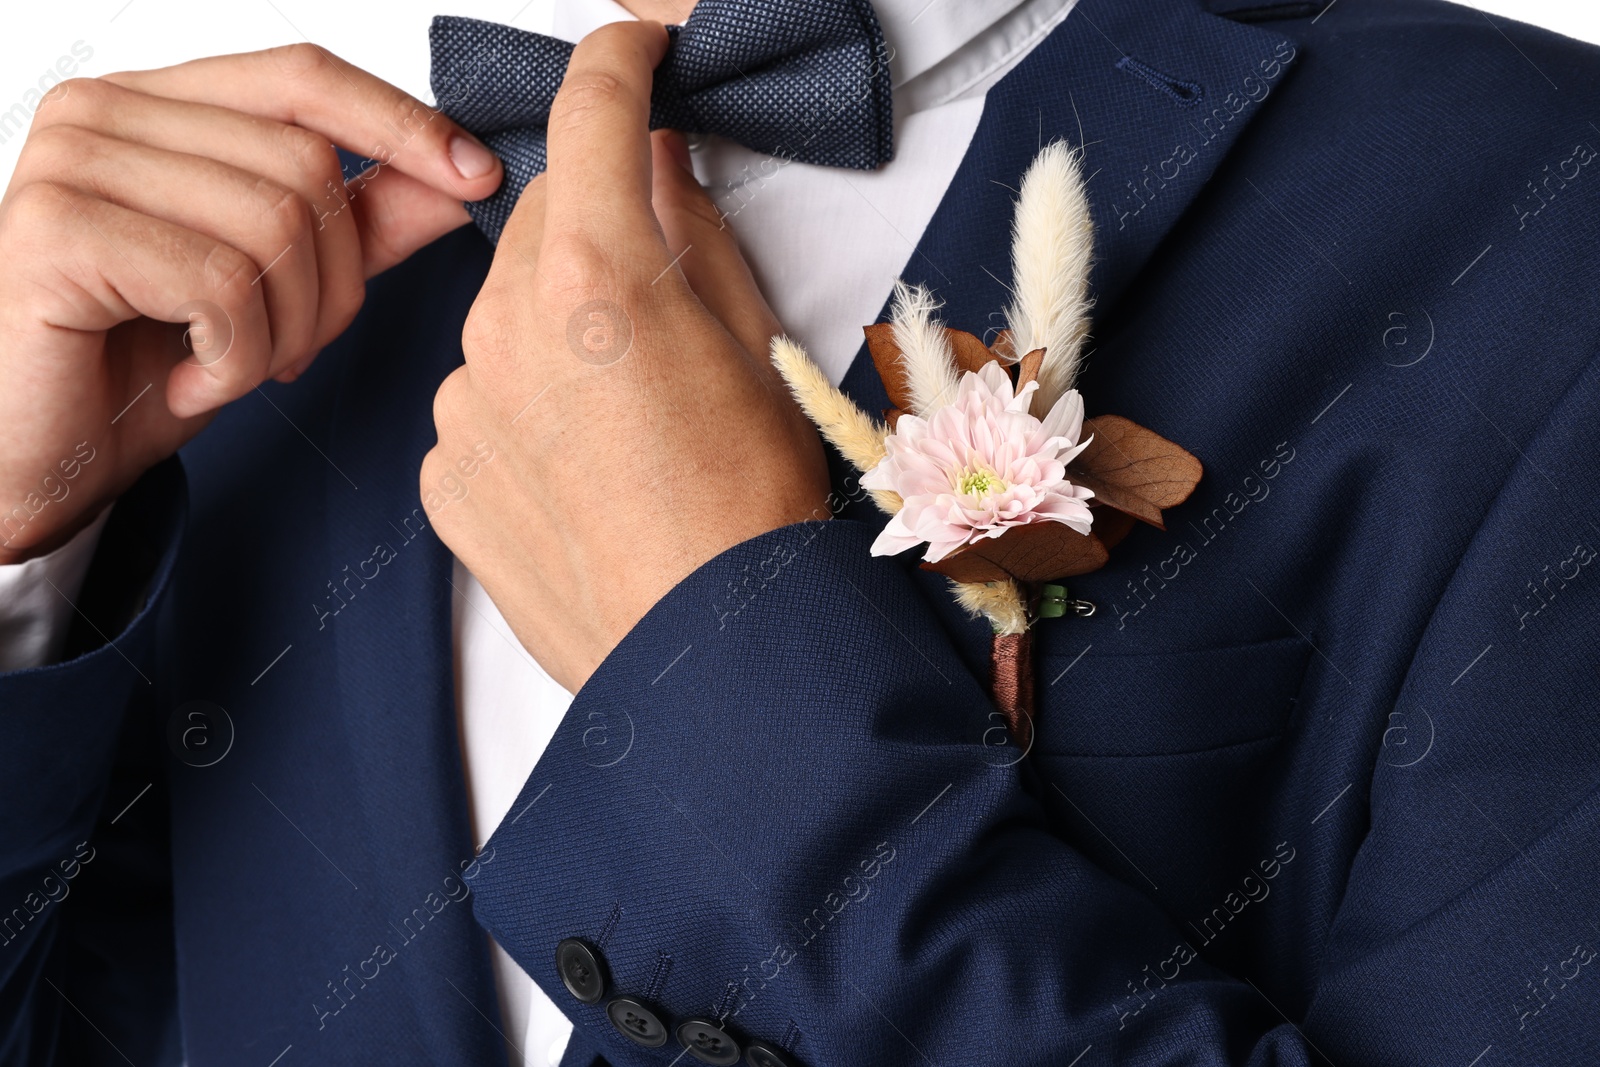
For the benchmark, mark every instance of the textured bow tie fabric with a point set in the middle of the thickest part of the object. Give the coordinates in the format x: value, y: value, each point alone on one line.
x: 804, y: 80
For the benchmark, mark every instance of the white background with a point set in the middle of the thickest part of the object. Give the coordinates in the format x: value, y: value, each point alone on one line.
x: 389, y: 38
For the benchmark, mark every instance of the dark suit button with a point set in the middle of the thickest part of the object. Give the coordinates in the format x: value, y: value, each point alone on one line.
x: 581, y: 969
x: 708, y: 1042
x: 760, y: 1054
x: 637, y: 1022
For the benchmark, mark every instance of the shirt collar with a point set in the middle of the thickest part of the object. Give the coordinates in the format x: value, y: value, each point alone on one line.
x: 921, y: 33
x: 925, y: 32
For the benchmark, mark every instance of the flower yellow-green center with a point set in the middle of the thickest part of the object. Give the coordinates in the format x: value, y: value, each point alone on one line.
x: 979, y: 483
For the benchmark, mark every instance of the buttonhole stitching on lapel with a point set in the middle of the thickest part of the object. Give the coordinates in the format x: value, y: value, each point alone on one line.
x: 791, y: 1036
x: 1183, y: 93
x: 1268, y: 12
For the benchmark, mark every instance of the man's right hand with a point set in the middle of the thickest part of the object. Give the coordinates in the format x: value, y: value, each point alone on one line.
x: 173, y: 238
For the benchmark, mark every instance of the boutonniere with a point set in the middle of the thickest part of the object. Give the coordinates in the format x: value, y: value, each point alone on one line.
x: 987, y: 457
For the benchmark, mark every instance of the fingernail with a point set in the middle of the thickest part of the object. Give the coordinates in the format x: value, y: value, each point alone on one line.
x: 678, y: 146
x: 472, y: 160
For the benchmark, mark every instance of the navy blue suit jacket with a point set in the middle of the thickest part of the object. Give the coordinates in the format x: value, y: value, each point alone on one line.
x: 1316, y: 782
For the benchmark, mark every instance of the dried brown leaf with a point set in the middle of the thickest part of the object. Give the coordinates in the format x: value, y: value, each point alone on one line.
x: 885, y: 354
x: 1125, y: 461
x: 1028, y: 367
x: 1036, y: 552
x: 970, y: 352
x: 1109, y: 493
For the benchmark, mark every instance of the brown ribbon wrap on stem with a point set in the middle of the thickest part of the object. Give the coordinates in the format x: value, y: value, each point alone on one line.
x: 1011, y: 683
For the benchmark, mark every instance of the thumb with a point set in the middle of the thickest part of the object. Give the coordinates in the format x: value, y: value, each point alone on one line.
x: 708, y: 252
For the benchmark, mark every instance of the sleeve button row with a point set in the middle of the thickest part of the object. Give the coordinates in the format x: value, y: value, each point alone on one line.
x: 583, y: 972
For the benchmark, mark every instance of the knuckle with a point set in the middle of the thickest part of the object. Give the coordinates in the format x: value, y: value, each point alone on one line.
x: 298, y: 60
x: 286, y: 213
x: 575, y: 267
x: 229, y: 274
x: 427, y: 473
x: 410, y: 118
x: 89, y: 90
x: 449, y: 401
x: 488, y: 335
x: 53, y: 148
x: 584, y: 92
x: 308, y: 153
x: 36, y: 206
x: 74, y: 97
x: 58, y: 136
x: 434, y: 473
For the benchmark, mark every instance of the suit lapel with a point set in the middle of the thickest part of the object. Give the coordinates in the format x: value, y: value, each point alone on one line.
x: 1156, y: 91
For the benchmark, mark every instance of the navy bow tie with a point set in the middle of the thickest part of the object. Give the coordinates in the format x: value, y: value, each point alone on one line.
x: 805, y: 80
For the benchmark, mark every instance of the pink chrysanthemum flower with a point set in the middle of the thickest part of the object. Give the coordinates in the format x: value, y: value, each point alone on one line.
x: 980, y: 465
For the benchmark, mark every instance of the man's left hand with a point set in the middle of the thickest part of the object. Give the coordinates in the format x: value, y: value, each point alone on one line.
x: 616, y: 363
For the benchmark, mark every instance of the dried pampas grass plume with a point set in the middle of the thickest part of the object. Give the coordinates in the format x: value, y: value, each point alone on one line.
x: 857, y: 436
x: 931, y: 376
x: 999, y: 602
x: 1052, y: 238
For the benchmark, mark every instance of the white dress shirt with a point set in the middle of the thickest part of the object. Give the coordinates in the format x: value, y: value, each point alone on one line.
x: 825, y: 245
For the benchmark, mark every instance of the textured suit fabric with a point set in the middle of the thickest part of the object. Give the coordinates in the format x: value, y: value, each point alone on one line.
x: 806, y: 80
x: 1316, y: 782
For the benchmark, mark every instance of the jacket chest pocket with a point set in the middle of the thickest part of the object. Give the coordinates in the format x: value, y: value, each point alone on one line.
x: 1161, y: 767
x: 1168, y: 703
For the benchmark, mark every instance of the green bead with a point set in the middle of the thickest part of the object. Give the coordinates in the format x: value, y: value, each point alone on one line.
x: 1052, y: 609
x: 1053, y: 592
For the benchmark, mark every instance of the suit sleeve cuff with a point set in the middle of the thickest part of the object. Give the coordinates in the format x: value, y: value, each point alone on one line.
x: 759, y: 727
